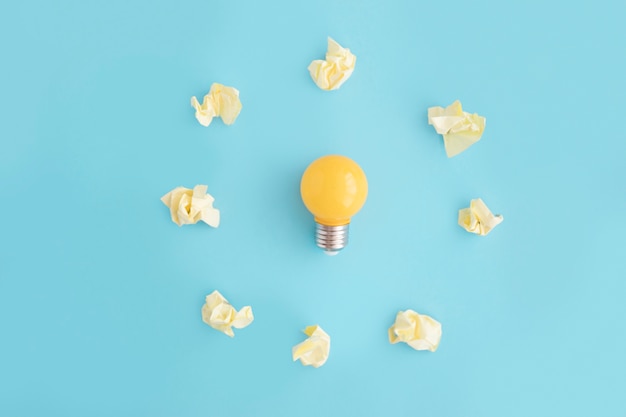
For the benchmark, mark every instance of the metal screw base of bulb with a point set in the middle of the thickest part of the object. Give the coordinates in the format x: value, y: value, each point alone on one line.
x: 331, y: 238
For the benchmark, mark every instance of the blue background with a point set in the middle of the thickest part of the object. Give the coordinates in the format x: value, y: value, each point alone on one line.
x: 100, y: 293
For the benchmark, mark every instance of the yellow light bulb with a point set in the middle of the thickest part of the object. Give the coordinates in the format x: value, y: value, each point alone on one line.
x: 333, y: 189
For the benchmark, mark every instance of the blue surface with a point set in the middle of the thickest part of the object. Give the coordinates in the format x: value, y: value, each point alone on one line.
x: 100, y: 293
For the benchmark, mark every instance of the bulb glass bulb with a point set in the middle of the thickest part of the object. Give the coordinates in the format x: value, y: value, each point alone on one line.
x: 333, y: 189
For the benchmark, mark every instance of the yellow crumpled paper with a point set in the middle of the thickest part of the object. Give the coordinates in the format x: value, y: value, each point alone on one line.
x: 219, y: 314
x: 314, y: 350
x: 221, y: 101
x: 460, y: 129
x: 331, y: 73
x: 419, y: 331
x: 189, y: 207
x: 477, y: 218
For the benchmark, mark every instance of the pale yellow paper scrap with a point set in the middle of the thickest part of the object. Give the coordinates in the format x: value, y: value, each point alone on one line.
x: 331, y: 73
x: 313, y: 351
x: 477, y: 218
x: 218, y: 313
x: 460, y: 129
x: 190, y: 206
x: 206, y: 111
x: 419, y: 331
x: 221, y: 101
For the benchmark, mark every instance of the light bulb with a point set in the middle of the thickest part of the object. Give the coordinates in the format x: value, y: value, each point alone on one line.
x: 333, y: 189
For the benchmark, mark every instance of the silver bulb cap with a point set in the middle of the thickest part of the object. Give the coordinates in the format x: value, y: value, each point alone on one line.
x: 331, y: 238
